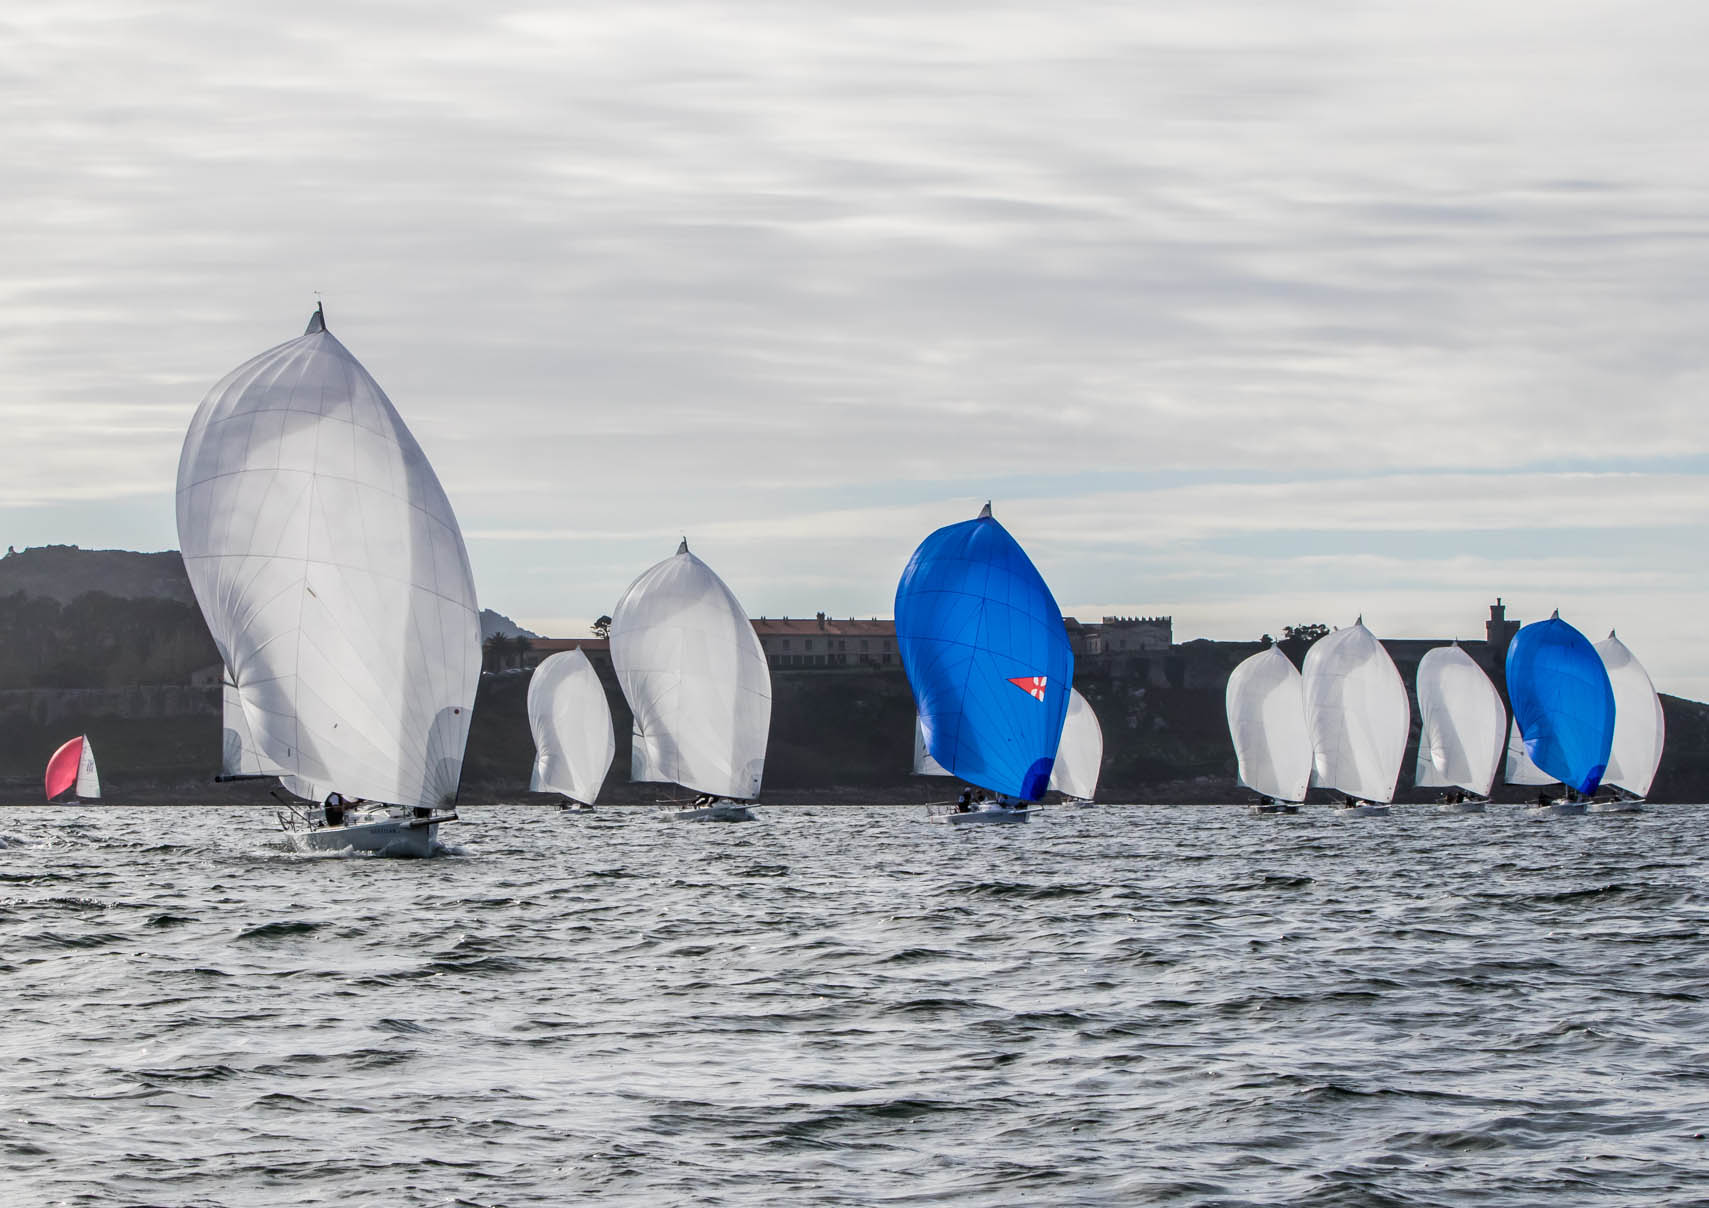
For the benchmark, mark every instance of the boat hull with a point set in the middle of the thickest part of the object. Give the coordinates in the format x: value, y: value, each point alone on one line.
x: 1362, y: 811
x: 1000, y: 816
x: 1461, y: 807
x: 722, y: 812
x: 1557, y: 809
x: 402, y: 837
x: 1274, y: 807
x: 1616, y: 807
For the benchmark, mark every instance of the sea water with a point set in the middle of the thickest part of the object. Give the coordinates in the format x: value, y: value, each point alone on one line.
x: 856, y: 1006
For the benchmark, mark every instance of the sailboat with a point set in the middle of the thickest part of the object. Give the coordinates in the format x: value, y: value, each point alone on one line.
x: 1358, y: 718
x: 1265, y: 700
x: 1080, y: 754
x: 695, y: 676
x: 571, y: 720
x: 1563, y: 708
x: 1639, y: 730
x: 987, y: 658
x: 1461, y: 724
x: 330, y: 569
x: 73, y: 767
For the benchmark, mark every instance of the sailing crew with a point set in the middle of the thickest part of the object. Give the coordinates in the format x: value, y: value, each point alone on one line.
x: 964, y: 803
x: 334, y: 809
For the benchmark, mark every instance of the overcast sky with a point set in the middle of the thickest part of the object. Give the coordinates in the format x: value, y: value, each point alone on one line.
x: 1253, y: 313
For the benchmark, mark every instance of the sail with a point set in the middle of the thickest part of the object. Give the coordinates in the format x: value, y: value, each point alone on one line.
x: 573, y: 739
x: 987, y: 656
x: 1266, y: 719
x: 332, y: 574
x: 1520, y: 769
x: 73, y: 767
x: 1639, y: 727
x: 1562, y: 702
x: 1461, y: 723
x: 239, y: 755
x: 1080, y: 754
x: 924, y: 764
x: 695, y: 675
x: 1356, y: 713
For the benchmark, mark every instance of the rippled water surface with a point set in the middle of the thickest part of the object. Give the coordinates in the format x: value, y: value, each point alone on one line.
x: 1116, y: 1005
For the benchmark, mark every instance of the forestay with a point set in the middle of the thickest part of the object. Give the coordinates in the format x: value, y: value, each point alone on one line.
x: 1562, y: 702
x: 1461, y: 723
x: 986, y: 654
x: 695, y: 675
x: 571, y: 719
x: 1639, y: 726
x: 333, y: 576
x: 1080, y: 754
x: 1356, y: 713
x: 1265, y: 700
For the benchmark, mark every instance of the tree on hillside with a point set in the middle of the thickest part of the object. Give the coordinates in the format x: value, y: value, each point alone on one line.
x: 602, y: 627
x: 1306, y: 634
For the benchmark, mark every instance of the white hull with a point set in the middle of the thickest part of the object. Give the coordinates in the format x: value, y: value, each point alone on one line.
x: 722, y: 812
x: 1616, y: 807
x: 1274, y: 807
x: 1461, y: 807
x: 1557, y: 809
x: 388, y: 836
x: 1362, y: 811
x: 988, y: 817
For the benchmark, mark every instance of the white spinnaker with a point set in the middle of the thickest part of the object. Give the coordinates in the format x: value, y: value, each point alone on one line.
x: 333, y: 576
x: 695, y: 675
x: 571, y: 719
x: 1462, y: 723
x: 1356, y: 713
x: 88, y: 779
x: 1079, y: 752
x: 1520, y: 769
x: 1266, y: 719
x: 1639, y: 727
x: 239, y: 755
x: 924, y: 764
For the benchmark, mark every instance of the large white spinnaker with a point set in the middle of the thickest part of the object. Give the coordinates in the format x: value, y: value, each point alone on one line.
x: 1520, y: 769
x: 1079, y: 752
x: 1639, y: 726
x: 1356, y: 713
x: 1462, y: 723
x: 1266, y: 719
x: 695, y: 676
x: 333, y: 576
x: 571, y: 719
x: 924, y: 764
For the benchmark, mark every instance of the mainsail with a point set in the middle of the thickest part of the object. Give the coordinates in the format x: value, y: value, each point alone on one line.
x: 987, y: 657
x: 240, y: 757
x: 1356, y: 713
x: 1562, y: 702
x: 73, y: 766
x: 1266, y: 719
x: 333, y: 577
x: 1520, y: 769
x: 1461, y: 723
x: 1639, y: 727
x: 571, y: 720
x: 695, y: 675
x: 1080, y: 754
x: 924, y: 764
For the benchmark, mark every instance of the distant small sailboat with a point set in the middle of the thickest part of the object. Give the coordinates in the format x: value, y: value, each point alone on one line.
x: 1080, y: 754
x: 696, y: 678
x: 73, y: 767
x: 333, y: 577
x: 1265, y: 701
x: 1563, y: 708
x: 1461, y: 724
x: 573, y: 739
x: 1358, y: 718
x: 1640, y: 729
x: 987, y: 656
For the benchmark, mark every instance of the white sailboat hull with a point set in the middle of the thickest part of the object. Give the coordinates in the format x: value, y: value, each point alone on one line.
x: 999, y: 816
x: 1461, y: 807
x: 1362, y: 811
x: 390, y: 835
x: 1273, y: 807
x: 724, y: 811
x: 1557, y: 809
x: 1616, y: 807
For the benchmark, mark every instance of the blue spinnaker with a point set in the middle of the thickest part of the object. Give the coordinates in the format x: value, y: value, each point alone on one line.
x: 985, y: 651
x: 1562, y: 702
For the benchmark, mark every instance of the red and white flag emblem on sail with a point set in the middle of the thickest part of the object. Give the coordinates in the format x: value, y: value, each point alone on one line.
x: 1032, y: 685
